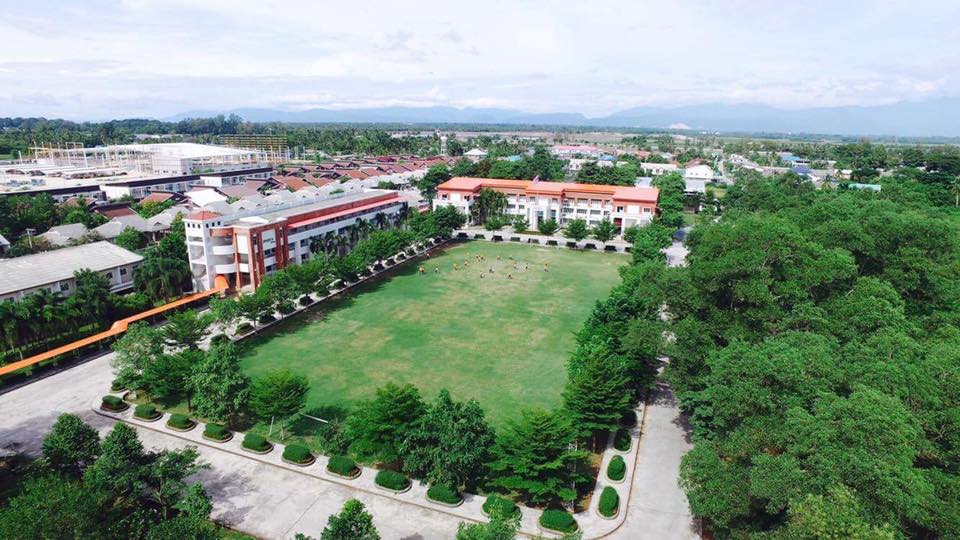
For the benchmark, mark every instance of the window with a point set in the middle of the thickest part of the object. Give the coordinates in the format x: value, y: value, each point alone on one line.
x: 108, y: 274
x: 619, y: 209
x: 123, y: 271
x: 64, y: 286
x: 646, y: 210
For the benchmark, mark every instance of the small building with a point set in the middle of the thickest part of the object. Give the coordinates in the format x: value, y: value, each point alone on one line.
x: 658, y: 169
x: 53, y: 270
x: 698, y: 172
x: 63, y: 235
x: 475, y: 155
x: 568, y: 151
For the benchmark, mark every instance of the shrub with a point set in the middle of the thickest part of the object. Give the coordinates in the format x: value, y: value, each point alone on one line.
x: 297, y: 454
x: 305, y: 300
x: 116, y: 385
x: 218, y: 339
x: 252, y: 441
x: 621, y: 440
x: 500, y: 505
x: 180, y: 421
x: 609, y: 502
x: 285, y: 309
x: 216, y: 432
x: 444, y: 494
x: 629, y: 419
x: 113, y: 403
x: 617, y: 468
x: 266, y: 318
x: 392, y: 480
x: 558, y: 520
x: 244, y: 328
x: 342, y: 465
x: 145, y: 411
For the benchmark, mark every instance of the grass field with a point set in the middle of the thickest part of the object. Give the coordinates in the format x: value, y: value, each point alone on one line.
x: 501, y: 341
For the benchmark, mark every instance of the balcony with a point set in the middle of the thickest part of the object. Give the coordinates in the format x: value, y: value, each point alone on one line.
x: 223, y: 250
x: 225, y: 268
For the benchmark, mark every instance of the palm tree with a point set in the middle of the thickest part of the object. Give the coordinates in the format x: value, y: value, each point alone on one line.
x: 363, y: 228
x: 381, y: 220
x: 161, y: 277
x: 343, y: 244
x: 955, y: 190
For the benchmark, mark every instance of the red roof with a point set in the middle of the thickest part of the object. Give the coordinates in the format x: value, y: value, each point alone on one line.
x: 157, y: 197
x: 203, y: 215
x: 293, y: 182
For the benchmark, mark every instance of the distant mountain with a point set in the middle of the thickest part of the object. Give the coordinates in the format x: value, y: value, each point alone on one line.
x: 910, y: 119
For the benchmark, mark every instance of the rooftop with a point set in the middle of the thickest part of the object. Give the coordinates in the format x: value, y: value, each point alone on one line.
x: 40, y: 269
x: 463, y: 183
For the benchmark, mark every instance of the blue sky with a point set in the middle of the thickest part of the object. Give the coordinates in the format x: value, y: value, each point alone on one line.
x: 102, y: 59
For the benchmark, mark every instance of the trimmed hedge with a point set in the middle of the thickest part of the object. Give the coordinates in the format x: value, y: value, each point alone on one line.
x: 621, y: 440
x: 252, y: 441
x: 500, y: 505
x: 113, y: 403
x: 266, y: 318
x: 216, y: 432
x: 444, y: 494
x: 609, y: 502
x: 392, y: 480
x: 218, y: 339
x: 628, y: 419
x: 342, y: 465
x: 145, y: 411
x: 244, y: 328
x: 297, y: 454
x: 617, y: 468
x: 180, y: 421
x: 558, y: 520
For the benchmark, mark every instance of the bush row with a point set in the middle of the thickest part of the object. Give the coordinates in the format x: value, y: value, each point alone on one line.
x: 496, y: 504
x: 217, y: 432
x: 113, y: 403
x: 146, y: 411
x: 342, y: 465
x: 609, y: 502
x: 297, y: 454
x: 558, y: 520
x: 617, y: 468
x: 444, y: 494
x: 180, y: 421
x: 252, y: 441
x: 621, y: 440
x: 392, y: 480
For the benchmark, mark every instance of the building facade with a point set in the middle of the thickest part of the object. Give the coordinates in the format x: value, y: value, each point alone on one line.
x: 249, y: 245
x: 560, y: 201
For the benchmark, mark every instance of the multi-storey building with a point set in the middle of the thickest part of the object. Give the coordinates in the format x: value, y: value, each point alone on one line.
x: 560, y: 201
x: 247, y: 245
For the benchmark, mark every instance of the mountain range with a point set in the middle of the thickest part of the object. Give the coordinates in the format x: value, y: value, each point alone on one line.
x: 935, y: 118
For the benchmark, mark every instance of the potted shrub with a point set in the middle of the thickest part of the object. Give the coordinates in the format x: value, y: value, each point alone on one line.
x: 621, y: 440
x: 113, y: 404
x: 256, y: 444
x: 296, y: 454
x: 616, y: 469
x: 392, y: 481
x: 609, y: 505
x: 343, y: 467
x: 445, y: 495
x: 500, y: 505
x: 558, y: 522
x: 147, y: 412
x: 244, y: 328
x: 180, y: 422
x: 217, y: 433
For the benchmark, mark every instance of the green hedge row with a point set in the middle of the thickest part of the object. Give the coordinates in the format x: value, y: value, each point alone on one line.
x: 621, y: 440
x: 609, y: 502
x: 252, y: 441
x: 392, y: 480
x: 180, y: 421
x: 297, y: 454
x: 342, y: 465
x: 216, y: 432
x: 496, y: 504
x: 617, y: 468
x: 145, y: 411
x: 444, y: 494
x: 558, y: 520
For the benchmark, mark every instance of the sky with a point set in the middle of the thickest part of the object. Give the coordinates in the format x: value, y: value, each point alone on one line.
x: 100, y: 59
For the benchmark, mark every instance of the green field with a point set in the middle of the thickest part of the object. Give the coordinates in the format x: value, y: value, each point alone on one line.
x: 501, y: 341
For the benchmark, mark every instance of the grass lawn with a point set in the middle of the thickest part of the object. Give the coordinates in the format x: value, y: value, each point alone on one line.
x: 501, y: 341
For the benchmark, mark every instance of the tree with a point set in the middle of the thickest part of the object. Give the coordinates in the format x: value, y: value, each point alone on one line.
x: 487, y: 204
x: 839, y: 514
x: 168, y: 376
x: 450, y: 444
x: 378, y: 427
x: 604, y: 230
x: 352, y: 523
x: 597, y: 395
x: 498, y: 528
x: 71, y: 445
x: 195, y: 504
x: 548, y: 226
x: 520, y: 224
x: 139, y: 348
x: 279, y: 394
x: 435, y: 176
x: 186, y: 329
x: 220, y: 388
x: 52, y: 507
x: 575, y: 230
x: 534, y: 457
x: 130, y: 238
x: 161, y: 278
x: 183, y: 527
x: 91, y: 295
x: 166, y: 479
x: 120, y: 469
x: 955, y: 191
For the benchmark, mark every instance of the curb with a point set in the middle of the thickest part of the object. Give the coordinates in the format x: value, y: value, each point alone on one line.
x: 182, y: 430
x: 258, y: 452
x: 441, y: 503
x: 394, y: 491
x: 228, y: 439
x: 338, y: 475
x: 313, y: 460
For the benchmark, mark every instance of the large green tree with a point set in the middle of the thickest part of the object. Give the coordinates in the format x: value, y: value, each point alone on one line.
x: 379, y: 426
x: 279, y: 395
x: 352, y: 523
x: 71, y: 445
